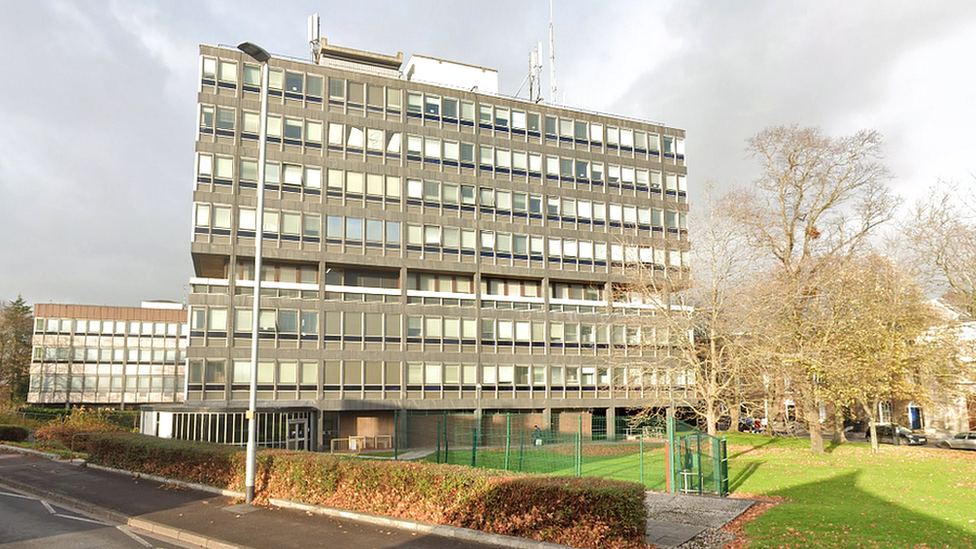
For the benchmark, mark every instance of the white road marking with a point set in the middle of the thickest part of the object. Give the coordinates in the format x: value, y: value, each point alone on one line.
x: 82, y: 519
x: 48, y: 507
x: 125, y: 530
x: 13, y: 495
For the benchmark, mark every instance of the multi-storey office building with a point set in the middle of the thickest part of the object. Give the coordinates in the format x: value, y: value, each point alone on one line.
x: 428, y: 243
x: 108, y: 356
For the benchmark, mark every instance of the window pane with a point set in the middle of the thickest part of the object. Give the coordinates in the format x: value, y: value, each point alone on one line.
x: 294, y: 82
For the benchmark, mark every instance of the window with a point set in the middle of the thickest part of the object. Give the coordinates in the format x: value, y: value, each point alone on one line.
x: 252, y: 75
x: 415, y: 102
x: 432, y: 105
x: 251, y: 122
x: 314, y: 84
x: 225, y: 118
x: 596, y: 133
x: 356, y: 93
x: 294, y: 82
x: 467, y: 112
x: 228, y: 72
x: 312, y: 224
x: 393, y: 99
x: 209, y: 67
x: 224, y: 167
x: 354, y: 228
x: 313, y: 131
x: 449, y: 107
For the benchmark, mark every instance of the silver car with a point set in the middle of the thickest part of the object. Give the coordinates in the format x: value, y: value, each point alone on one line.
x: 962, y: 441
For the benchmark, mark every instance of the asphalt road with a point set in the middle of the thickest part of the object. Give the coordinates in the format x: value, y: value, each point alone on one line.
x: 30, y: 523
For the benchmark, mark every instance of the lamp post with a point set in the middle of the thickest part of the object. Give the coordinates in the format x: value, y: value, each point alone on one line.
x: 261, y: 56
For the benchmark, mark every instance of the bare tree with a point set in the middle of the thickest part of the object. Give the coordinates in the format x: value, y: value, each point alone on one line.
x: 941, y: 231
x: 699, y: 323
x: 815, y: 204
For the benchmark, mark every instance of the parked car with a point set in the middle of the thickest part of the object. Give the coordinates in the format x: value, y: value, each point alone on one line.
x: 962, y: 441
x: 746, y: 424
x: 888, y: 431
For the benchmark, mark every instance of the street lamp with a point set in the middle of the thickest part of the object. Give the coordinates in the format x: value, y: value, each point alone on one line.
x: 261, y: 56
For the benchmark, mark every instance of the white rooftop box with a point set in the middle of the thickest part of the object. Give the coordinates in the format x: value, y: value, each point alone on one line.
x: 421, y: 68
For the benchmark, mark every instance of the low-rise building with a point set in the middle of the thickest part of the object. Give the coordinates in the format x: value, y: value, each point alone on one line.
x: 97, y: 355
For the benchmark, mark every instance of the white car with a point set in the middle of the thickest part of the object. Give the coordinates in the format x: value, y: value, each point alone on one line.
x: 962, y: 441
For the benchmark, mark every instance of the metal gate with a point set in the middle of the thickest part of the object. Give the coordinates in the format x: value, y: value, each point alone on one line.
x: 701, y: 464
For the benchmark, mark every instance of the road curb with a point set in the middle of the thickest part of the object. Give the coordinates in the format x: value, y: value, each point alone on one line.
x: 187, y: 536
x: 453, y: 532
x: 164, y: 480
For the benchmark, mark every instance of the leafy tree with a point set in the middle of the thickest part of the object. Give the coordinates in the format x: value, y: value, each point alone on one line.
x: 876, y: 324
x: 815, y: 204
x: 16, y: 329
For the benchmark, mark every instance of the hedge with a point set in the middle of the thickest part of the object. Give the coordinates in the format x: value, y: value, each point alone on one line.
x: 582, y: 512
x: 13, y: 433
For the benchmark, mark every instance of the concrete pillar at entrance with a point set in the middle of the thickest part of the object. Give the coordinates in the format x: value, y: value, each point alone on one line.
x: 611, y: 424
x: 547, y: 418
x: 317, y: 429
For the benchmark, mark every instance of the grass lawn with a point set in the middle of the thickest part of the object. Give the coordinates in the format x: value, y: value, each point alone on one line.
x: 901, y: 497
x: 618, y: 461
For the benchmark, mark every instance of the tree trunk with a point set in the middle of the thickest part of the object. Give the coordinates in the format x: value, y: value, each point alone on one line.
x: 839, y: 436
x: 711, y: 417
x: 869, y: 410
x: 812, y: 415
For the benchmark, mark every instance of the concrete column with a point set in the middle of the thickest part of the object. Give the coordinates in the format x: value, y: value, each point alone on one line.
x: 547, y: 418
x: 611, y: 424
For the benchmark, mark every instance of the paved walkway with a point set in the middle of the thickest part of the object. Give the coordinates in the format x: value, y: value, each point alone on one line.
x: 674, y: 519
x: 210, y: 520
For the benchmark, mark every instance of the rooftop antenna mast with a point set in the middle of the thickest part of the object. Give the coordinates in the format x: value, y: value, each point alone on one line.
x: 314, y: 36
x: 552, y: 61
x: 534, y: 78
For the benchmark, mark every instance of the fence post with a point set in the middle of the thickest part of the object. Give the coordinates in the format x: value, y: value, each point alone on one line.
x: 720, y: 450
x: 673, y: 454
x: 438, y: 441
x: 640, y: 446
x: 579, y: 445
x: 701, y: 477
x: 396, y: 436
x: 521, y: 450
x: 447, y: 458
x: 508, y: 438
x: 474, y: 445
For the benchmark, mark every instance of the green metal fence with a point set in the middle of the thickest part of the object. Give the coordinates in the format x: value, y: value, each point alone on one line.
x: 568, y: 443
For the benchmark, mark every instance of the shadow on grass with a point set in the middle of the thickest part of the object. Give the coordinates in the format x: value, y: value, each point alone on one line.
x: 832, y: 445
x: 835, y: 513
x: 753, y: 448
x: 743, y: 474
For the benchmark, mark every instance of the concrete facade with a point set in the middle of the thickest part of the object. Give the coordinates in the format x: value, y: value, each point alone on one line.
x: 426, y: 247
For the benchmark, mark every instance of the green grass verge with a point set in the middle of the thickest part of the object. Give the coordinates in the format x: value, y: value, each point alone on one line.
x: 901, y: 497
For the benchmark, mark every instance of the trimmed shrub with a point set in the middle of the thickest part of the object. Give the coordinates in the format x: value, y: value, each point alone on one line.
x: 202, y: 463
x: 13, y: 433
x: 583, y: 512
x: 76, y: 428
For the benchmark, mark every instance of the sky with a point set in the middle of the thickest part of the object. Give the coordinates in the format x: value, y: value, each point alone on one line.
x: 98, y: 101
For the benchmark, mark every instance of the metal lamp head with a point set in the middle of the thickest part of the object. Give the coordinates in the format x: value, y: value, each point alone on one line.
x: 257, y: 52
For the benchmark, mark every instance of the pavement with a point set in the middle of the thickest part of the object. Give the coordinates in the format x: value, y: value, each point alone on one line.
x: 211, y: 518
x: 675, y: 519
